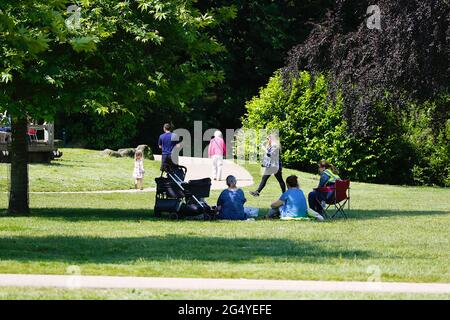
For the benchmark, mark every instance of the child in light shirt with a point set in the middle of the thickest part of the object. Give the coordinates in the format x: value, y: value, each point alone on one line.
x: 138, y: 173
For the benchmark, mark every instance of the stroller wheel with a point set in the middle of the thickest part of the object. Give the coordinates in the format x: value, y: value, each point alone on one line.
x: 173, y: 216
x: 157, y: 214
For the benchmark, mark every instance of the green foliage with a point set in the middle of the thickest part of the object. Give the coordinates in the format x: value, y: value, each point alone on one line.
x: 432, y: 147
x: 95, y: 131
x: 135, y: 55
x: 312, y: 127
x: 150, y: 58
x: 256, y: 41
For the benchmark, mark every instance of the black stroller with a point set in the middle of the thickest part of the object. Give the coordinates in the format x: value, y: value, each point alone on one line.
x: 180, y: 198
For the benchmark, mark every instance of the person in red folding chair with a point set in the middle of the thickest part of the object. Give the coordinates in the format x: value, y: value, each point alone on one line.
x: 325, y: 191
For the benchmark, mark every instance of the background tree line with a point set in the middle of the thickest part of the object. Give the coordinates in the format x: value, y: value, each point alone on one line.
x: 393, y: 86
x: 374, y: 102
x: 255, y: 39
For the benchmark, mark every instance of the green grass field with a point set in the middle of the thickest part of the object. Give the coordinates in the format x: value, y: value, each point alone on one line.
x: 12, y: 293
x: 83, y: 170
x: 401, y: 231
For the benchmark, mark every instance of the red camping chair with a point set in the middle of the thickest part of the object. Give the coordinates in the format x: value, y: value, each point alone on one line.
x: 341, y: 197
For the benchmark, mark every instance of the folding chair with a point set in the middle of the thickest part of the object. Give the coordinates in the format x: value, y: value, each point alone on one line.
x: 341, y: 197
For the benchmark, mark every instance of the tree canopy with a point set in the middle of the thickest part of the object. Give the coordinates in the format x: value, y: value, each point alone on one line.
x: 123, y: 57
x: 256, y: 43
x: 407, y: 60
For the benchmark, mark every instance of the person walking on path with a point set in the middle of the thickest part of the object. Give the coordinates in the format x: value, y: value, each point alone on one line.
x: 272, y: 165
x: 167, y: 141
x: 216, y: 151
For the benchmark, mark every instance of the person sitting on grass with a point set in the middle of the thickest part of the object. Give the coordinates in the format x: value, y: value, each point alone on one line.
x: 292, y: 203
x: 328, y: 177
x: 231, y: 203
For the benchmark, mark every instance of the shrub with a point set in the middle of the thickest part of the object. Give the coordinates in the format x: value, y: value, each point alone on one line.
x: 432, y: 146
x: 312, y: 127
x: 95, y: 131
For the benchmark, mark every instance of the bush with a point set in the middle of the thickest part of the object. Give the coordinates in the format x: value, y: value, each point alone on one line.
x: 312, y: 127
x: 432, y: 147
x: 95, y: 131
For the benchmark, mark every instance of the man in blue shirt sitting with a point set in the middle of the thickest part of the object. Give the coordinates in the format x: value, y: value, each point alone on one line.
x: 292, y: 203
x: 166, y: 142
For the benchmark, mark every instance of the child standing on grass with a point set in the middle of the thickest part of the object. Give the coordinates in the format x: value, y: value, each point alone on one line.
x: 138, y: 173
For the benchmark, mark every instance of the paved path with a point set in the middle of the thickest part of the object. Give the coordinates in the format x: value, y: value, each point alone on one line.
x: 67, y: 281
x: 197, y: 168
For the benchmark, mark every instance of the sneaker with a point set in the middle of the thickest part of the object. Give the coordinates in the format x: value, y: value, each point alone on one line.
x: 254, y: 193
x: 315, y: 214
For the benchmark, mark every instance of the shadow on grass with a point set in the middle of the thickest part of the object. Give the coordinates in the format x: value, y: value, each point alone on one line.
x: 110, y: 214
x: 95, y: 214
x: 122, y: 250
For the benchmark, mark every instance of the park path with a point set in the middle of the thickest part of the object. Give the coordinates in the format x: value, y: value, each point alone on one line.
x: 115, y: 282
x: 197, y: 168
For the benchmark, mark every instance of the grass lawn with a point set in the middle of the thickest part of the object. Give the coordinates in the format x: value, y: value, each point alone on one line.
x: 83, y: 170
x: 13, y: 293
x: 401, y: 231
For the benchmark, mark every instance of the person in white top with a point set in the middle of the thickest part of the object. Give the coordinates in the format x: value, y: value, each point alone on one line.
x: 138, y: 173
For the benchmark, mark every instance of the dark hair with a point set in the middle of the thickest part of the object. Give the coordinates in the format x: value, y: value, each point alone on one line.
x: 167, y: 126
x: 327, y: 165
x: 292, y: 181
x: 231, y: 180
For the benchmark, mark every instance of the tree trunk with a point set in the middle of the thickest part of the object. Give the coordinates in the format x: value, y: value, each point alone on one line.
x: 18, y: 194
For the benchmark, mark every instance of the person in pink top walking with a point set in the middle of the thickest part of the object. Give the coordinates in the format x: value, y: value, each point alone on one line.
x: 216, y: 151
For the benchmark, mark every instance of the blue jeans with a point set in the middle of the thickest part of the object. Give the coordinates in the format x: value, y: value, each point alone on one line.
x: 274, y: 213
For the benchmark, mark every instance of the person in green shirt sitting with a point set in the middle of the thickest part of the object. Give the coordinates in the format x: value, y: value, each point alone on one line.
x: 328, y: 177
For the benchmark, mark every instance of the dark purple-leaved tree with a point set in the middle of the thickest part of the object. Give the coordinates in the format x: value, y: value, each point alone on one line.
x: 406, y: 59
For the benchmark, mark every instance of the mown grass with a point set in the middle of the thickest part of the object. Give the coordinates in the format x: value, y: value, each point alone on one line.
x: 116, y: 234
x: 83, y: 170
x: 14, y: 293
x: 401, y: 231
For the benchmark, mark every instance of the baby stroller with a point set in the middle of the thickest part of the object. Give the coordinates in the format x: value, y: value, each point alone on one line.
x: 180, y: 198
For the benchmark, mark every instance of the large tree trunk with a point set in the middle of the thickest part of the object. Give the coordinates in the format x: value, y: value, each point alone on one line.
x: 18, y: 195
